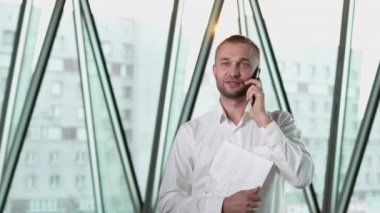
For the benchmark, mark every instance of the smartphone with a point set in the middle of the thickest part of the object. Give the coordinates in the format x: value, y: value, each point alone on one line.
x: 256, y: 75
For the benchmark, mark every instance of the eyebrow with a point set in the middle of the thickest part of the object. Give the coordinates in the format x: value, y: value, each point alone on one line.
x: 227, y: 58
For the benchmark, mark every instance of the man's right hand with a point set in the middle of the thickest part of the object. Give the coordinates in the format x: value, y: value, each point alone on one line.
x: 242, y: 201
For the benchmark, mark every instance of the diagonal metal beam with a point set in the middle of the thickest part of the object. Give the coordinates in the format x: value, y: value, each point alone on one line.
x: 14, y: 73
x: 330, y: 197
x: 361, y: 144
x: 157, y: 153
x: 196, y: 80
x: 90, y: 126
x: 117, y: 126
x: 242, y: 17
x: 274, y: 72
x: 30, y: 101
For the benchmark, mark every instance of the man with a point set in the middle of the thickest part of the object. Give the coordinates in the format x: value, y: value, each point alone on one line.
x: 242, y: 120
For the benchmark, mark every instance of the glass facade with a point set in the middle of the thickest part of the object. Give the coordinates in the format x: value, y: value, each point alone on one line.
x: 94, y: 133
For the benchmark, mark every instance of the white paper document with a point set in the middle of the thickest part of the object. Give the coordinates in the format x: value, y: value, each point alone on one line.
x: 234, y: 169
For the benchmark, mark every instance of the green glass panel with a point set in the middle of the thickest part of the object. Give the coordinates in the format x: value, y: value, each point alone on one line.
x: 133, y: 35
x: 194, y: 22
x: 305, y: 36
x: 363, y: 67
x: 53, y: 172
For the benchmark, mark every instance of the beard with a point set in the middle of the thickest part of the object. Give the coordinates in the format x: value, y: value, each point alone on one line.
x: 235, y: 93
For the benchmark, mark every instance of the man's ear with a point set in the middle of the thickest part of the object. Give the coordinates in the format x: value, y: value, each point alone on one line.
x: 213, y: 69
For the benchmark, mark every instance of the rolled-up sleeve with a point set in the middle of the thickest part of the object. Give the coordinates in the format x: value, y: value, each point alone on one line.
x: 288, y: 151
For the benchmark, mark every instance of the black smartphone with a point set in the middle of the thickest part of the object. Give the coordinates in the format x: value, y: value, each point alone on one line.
x: 256, y: 75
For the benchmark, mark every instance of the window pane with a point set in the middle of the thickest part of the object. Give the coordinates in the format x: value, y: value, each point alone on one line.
x: 305, y: 36
x: 45, y: 179
x: 363, y: 66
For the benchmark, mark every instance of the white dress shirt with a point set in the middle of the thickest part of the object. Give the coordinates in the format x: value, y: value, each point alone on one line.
x: 196, y: 143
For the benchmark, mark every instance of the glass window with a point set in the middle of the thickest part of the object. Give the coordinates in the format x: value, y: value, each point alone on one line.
x: 70, y: 64
x: 80, y: 181
x: 56, y: 88
x: 8, y: 37
x: 56, y: 111
x: 31, y: 157
x: 69, y: 133
x: 80, y: 158
x: 54, y: 181
x: 31, y: 182
x: 128, y: 51
x: 54, y: 157
x: 127, y: 92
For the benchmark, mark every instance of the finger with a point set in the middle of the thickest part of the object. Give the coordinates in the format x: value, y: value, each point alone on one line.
x: 254, y: 82
x: 254, y: 204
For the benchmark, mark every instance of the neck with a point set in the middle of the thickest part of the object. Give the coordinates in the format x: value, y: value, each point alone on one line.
x: 234, y: 108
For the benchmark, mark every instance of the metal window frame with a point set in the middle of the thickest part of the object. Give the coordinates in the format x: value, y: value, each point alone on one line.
x: 87, y: 103
x: 117, y: 127
x: 361, y: 144
x: 9, y: 101
x: 331, y: 189
x: 275, y: 76
x: 200, y: 65
x: 30, y: 101
x: 157, y: 153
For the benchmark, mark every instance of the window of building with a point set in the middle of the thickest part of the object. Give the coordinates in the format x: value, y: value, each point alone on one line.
x: 128, y: 51
x: 312, y: 70
x: 130, y: 71
x: 69, y: 133
x: 31, y: 181
x: 127, y: 92
x: 54, y: 157
x: 31, y: 157
x: 129, y: 135
x: 80, y: 158
x: 8, y: 37
x: 80, y: 181
x: 56, y: 88
x: 368, y: 178
x: 71, y: 65
x: 54, y: 181
x: 115, y: 69
x: 54, y: 133
x: 127, y: 114
x: 327, y: 72
x: 313, y: 106
x: 56, y: 111
x: 107, y: 48
x: 82, y: 134
x: 303, y: 88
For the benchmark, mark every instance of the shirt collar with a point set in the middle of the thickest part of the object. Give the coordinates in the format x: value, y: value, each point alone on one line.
x: 222, y: 116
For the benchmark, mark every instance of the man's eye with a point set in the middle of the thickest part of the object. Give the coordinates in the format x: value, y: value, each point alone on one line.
x: 245, y: 65
x: 225, y: 63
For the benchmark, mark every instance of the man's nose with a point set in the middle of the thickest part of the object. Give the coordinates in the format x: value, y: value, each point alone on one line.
x: 235, y: 71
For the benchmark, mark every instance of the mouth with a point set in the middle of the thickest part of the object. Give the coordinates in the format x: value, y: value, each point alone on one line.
x: 233, y: 83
